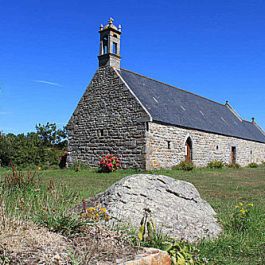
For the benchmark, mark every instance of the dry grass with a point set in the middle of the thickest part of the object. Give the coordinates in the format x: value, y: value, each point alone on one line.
x: 26, y: 243
x: 99, y: 245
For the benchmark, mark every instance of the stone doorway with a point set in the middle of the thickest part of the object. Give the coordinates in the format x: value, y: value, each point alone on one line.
x: 233, y: 155
x: 188, y: 150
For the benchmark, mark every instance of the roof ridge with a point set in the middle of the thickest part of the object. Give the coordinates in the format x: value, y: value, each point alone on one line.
x: 173, y: 87
x: 247, y: 121
x: 256, y: 125
x: 233, y: 111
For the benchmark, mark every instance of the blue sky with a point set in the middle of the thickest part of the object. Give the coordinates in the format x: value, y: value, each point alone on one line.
x: 48, y: 52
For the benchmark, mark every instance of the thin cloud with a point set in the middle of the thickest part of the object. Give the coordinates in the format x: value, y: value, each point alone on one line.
x: 4, y: 112
x: 47, y: 83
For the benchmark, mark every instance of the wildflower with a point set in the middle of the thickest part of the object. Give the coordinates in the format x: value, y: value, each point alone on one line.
x: 103, y: 209
x: 243, y: 211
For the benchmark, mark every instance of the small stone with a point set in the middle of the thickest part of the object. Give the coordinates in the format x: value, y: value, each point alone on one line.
x: 151, y: 256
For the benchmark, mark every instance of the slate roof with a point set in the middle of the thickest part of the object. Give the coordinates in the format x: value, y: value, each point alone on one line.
x: 170, y: 105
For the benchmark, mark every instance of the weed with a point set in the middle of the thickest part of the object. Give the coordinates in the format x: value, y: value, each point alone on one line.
x: 64, y: 223
x: 183, y: 253
x: 95, y: 214
x: 215, y: 164
x: 179, y: 251
x: 253, y: 165
x: 186, y: 166
x: 242, y: 216
x: 233, y: 165
x: 19, y: 180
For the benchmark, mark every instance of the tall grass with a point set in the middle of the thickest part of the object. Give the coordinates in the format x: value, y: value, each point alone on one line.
x: 25, y: 197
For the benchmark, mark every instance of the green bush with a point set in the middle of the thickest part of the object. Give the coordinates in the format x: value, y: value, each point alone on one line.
x: 233, y: 165
x: 187, y: 166
x: 215, y: 164
x: 42, y: 148
x: 253, y: 165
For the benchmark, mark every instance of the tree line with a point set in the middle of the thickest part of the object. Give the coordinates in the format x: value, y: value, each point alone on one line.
x: 44, y: 147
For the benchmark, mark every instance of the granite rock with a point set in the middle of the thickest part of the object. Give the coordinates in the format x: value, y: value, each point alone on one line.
x: 175, y: 205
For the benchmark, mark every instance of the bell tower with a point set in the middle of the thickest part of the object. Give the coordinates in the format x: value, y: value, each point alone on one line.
x: 109, y: 51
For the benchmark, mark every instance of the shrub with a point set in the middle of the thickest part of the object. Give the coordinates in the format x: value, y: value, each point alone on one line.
x: 44, y: 147
x: 242, y: 216
x: 215, y: 164
x: 253, y: 165
x: 109, y: 163
x: 187, y: 166
x: 234, y: 165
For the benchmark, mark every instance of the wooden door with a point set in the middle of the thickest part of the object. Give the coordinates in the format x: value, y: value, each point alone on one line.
x: 188, y: 147
x: 233, y: 155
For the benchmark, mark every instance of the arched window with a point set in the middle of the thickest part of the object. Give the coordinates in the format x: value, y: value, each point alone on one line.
x: 105, y: 45
x: 114, y: 48
x: 188, y: 150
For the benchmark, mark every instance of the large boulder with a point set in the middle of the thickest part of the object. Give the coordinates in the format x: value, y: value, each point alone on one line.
x: 176, y: 206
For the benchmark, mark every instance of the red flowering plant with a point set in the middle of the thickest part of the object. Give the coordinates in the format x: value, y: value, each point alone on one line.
x: 109, y: 163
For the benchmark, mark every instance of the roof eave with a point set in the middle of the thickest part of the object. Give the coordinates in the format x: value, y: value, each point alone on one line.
x: 201, y: 130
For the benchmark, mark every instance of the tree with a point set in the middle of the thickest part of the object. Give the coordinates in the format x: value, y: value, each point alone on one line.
x: 51, y: 136
x: 44, y: 147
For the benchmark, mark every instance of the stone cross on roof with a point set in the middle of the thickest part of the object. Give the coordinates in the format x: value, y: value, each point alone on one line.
x: 111, y: 21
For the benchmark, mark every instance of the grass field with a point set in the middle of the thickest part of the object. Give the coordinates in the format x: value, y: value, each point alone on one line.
x: 222, y: 188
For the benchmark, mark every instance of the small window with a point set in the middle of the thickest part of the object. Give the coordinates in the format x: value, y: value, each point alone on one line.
x: 100, y: 132
x: 217, y: 147
x: 168, y: 145
x: 105, y: 45
x: 105, y: 49
x: 114, y: 48
x: 147, y: 126
x: 251, y: 152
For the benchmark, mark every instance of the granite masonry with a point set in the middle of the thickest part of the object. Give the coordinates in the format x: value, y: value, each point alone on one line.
x: 206, y: 147
x: 108, y: 119
x: 150, y: 124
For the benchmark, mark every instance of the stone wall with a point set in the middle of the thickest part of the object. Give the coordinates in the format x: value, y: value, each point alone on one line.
x: 205, y: 147
x: 108, y: 119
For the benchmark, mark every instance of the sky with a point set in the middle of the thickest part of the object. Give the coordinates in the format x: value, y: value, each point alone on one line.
x: 48, y: 53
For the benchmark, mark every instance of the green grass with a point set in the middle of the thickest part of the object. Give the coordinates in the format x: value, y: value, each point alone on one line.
x: 222, y: 188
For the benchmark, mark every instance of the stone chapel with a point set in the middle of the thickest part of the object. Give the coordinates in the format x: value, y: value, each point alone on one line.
x: 149, y: 124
